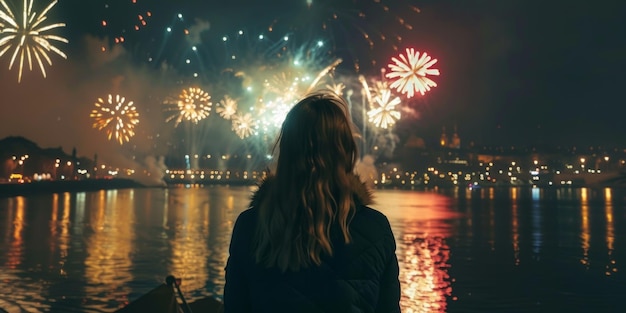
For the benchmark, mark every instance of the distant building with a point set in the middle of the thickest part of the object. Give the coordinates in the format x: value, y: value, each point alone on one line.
x: 455, y: 143
x: 415, y: 142
x: 443, y: 141
x: 446, y: 142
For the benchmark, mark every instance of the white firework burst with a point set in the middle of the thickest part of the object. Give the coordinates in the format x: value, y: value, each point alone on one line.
x: 227, y: 107
x: 410, y: 73
x: 243, y: 125
x: 384, y: 114
x: 27, y: 35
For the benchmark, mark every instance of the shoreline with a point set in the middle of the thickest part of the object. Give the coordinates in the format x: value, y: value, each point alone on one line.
x: 59, y: 186
x: 38, y: 187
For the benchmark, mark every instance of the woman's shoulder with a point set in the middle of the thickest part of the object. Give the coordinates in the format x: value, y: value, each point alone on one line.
x: 248, y: 216
x: 371, y: 213
x: 366, y: 216
x: 243, y: 230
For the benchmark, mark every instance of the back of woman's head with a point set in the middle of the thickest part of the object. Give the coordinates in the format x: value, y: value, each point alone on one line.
x: 310, y: 190
x: 316, y: 137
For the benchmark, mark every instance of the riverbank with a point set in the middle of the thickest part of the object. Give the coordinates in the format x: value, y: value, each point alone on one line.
x: 13, y: 189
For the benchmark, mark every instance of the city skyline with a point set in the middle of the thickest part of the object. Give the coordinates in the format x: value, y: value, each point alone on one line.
x: 511, y: 73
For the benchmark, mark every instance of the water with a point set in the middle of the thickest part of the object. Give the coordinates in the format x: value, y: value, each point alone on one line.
x: 483, y: 250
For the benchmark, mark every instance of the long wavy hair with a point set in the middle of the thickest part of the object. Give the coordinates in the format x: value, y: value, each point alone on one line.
x: 310, y: 189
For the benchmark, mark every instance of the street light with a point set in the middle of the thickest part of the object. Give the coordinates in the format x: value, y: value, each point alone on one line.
x: 582, y: 163
x: 21, y: 162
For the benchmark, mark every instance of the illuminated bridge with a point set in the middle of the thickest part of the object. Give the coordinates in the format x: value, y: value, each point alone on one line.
x: 212, y: 177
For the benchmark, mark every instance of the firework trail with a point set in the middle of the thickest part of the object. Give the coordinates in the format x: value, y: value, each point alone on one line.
x: 122, y: 18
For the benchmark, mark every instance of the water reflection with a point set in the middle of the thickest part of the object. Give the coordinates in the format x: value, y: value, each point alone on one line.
x: 189, y: 246
x: 110, y: 246
x: 515, y: 233
x: 422, y: 223
x: 611, y: 266
x: 537, y: 221
x: 585, y: 237
x: 62, y: 239
x: 459, y: 250
x: 16, y: 242
x: 222, y: 222
x: 18, y: 291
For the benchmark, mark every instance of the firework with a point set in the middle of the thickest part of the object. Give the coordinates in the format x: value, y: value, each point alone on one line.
x: 358, y: 26
x: 322, y: 74
x: 120, y: 17
x: 227, y: 108
x: 379, y: 87
x: 264, y: 76
x: 116, y: 116
x: 286, y: 85
x: 243, y: 125
x: 384, y: 114
x: 281, y: 87
x: 337, y: 88
x: 270, y: 116
x: 193, y: 104
x: 410, y: 73
x: 375, y: 90
x: 290, y: 88
x: 366, y: 89
x: 28, y: 36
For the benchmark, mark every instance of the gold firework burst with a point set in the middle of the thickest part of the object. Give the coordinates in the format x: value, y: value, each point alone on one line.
x: 116, y: 116
x: 193, y: 104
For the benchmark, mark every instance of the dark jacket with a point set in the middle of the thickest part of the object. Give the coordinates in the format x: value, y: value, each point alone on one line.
x: 361, y: 276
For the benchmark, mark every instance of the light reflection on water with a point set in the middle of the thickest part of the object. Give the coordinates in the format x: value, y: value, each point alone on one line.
x: 421, y: 223
x: 96, y: 251
x: 109, y: 246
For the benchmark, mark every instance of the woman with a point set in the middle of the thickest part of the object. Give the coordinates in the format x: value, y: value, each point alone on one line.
x: 308, y: 242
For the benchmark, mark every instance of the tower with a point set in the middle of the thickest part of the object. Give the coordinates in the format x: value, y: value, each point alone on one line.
x: 444, y: 138
x: 456, y: 140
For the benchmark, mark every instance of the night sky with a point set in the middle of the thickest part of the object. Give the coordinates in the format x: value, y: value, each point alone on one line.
x: 513, y: 72
x: 530, y: 72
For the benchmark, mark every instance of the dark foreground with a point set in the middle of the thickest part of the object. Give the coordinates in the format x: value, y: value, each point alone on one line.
x: 167, y: 298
